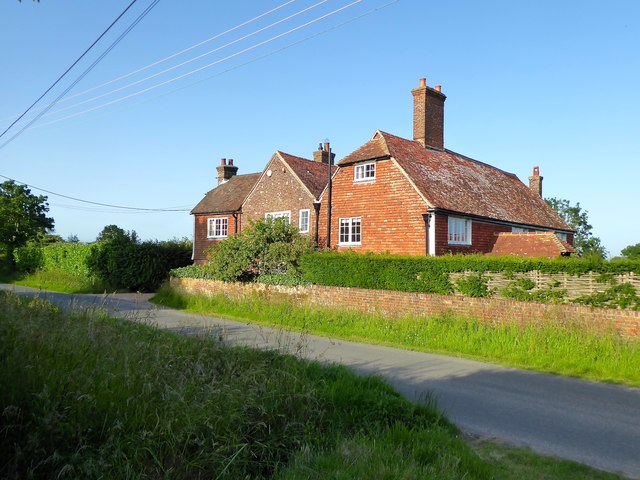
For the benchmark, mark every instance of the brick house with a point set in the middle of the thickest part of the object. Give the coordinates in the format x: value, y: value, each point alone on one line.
x: 410, y: 197
x: 288, y: 187
x: 415, y: 197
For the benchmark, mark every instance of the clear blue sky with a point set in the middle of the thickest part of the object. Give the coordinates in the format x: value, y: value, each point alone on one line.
x: 547, y: 83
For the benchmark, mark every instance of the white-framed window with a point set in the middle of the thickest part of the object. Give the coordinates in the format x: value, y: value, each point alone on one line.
x: 562, y: 236
x: 350, y: 231
x: 459, y: 231
x: 518, y: 230
x: 217, y: 228
x: 364, y: 172
x: 275, y: 215
x: 303, y: 221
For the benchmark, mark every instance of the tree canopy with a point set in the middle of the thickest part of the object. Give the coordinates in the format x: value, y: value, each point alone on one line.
x: 632, y: 252
x: 584, y: 241
x: 23, y: 214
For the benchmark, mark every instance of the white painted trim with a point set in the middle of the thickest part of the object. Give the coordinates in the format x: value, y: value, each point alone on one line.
x: 300, y: 219
x: 432, y: 236
x: 350, y: 244
x: 281, y: 214
x: 363, y: 166
x: 217, y: 237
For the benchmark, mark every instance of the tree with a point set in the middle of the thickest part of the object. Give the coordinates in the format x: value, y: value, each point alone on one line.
x: 632, y: 252
x: 111, y: 232
x: 23, y: 216
x: 578, y: 219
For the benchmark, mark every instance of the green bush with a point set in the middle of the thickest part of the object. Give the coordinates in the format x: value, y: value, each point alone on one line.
x: 123, y: 262
x: 29, y: 258
x: 622, y: 295
x: 266, y: 247
x: 474, y: 285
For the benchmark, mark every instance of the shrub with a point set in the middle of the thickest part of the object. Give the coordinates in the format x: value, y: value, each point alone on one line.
x: 123, y: 262
x: 266, y: 247
x: 474, y: 285
x: 29, y: 258
x: 622, y: 295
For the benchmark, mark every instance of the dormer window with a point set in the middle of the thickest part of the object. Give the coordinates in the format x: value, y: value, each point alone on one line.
x: 364, y: 172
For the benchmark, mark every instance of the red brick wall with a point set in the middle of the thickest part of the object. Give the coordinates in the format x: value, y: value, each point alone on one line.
x: 482, y: 237
x: 281, y: 191
x: 396, y: 304
x: 390, y: 208
x: 200, y: 240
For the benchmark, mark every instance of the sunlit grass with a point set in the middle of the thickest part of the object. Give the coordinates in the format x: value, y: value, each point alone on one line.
x: 59, y: 281
x: 569, y: 350
x: 87, y: 396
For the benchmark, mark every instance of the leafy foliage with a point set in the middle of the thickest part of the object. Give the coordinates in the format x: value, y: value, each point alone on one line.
x: 523, y: 289
x: 123, y: 262
x: 632, y: 252
x: 23, y: 216
x: 578, y: 219
x: 621, y: 295
x: 474, y: 285
x: 267, y: 247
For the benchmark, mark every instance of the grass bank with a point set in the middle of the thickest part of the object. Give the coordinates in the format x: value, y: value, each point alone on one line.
x: 58, y: 281
x: 552, y: 348
x: 86, y: 396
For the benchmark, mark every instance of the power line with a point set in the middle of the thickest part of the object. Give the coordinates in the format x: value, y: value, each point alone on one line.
x: 124, y: 87
x: 68, y: 69
x: 98, y: 203
x: 87, y: 70
x: 199, y: 44
x: 184, y: 75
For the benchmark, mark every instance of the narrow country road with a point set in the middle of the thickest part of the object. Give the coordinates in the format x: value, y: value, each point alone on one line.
x: 592, y: 423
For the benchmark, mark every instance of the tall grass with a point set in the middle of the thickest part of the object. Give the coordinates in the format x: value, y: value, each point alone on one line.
x: 61, y: 281
x: 86, y: 396
x: 549, y: 347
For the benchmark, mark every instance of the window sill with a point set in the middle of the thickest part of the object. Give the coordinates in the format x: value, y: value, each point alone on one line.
x: 217, y: 238
x: 368, y: 180
x: 458, y: 244
x: 349, y: 244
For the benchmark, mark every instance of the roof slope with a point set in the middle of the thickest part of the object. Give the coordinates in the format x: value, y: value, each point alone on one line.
x: 228, y: 196
x: 531, y: 244
x: 312, y: 174
x: 451, y: 181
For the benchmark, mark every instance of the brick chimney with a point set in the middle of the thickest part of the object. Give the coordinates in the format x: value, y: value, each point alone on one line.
x: 322, y: 154
x: 226, y: 170
x: 535, y: 182
x: 428, y: 115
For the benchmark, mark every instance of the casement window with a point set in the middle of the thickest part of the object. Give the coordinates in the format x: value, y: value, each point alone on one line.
x: 364, y: 172
x: 218, y: 228
x: 275, y: 215
x: 303, y: 221
x: 459, y: 231
x: 562, y: 236
x: 350, y: 231
x: 518, y: 230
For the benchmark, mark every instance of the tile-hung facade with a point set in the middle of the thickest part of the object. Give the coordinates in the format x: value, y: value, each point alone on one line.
x: 410, y: 197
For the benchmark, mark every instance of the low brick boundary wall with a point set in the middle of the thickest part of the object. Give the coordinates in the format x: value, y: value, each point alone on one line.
x: 395, y: 304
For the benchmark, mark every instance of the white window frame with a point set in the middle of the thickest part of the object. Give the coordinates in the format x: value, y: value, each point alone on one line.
x: 364, y: 172
x: 219, y: 226
x: 562, y: 236
x: 459, y: 231
x: 275, y: 215
x: 353, y: 231
x: 304, y: 227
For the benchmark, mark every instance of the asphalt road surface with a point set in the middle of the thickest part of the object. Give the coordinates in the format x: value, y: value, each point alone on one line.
x: 592, y: 423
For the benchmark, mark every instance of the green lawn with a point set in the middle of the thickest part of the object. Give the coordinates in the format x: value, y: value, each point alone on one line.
x: 87, y: 396
x: 553, y: 348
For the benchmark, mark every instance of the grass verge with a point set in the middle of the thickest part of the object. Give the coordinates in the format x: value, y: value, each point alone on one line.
x: 564, y: 350
x: 87, y: 396
x: 60, y: 281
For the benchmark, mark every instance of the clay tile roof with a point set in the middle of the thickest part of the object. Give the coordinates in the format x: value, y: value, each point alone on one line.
x: 228, y: 196
x: 451, y: 181
x: 312, y: 174
x: 530, y: 244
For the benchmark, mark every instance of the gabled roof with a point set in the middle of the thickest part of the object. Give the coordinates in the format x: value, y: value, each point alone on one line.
x: 453, y: 182
x: 531, y: 244
x: 312, y: 174
x: 228, y: 196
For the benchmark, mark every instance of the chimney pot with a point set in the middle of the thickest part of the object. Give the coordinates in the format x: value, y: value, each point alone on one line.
x: 223, y: 161
x: 230, y: 162
x: 423, y: 82
x: 326, y: 146
x: 438, y: 88
x: 535, y: 182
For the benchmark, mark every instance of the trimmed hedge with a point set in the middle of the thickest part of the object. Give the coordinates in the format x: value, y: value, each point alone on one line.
x: 431, y: 274
x: 70, y: 258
